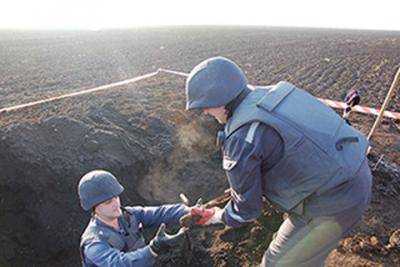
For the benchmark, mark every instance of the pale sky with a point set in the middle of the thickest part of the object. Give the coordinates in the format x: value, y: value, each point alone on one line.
x: 99, y: 14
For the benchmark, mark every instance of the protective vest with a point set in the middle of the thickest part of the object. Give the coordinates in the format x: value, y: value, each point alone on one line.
x: 131, y: 240
x: 320, y: 149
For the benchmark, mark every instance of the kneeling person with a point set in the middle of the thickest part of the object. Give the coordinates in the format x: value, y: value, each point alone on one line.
x: 113, y: 236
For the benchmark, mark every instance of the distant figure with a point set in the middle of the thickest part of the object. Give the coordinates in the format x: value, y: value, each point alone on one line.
x: 113, y: 236
x: 281, y: 143
x: 352, y: 99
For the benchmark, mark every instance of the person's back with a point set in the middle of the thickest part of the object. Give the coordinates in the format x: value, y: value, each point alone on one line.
x: 320, y: 150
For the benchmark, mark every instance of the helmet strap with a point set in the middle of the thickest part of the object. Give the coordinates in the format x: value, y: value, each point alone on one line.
x: 231, y: 106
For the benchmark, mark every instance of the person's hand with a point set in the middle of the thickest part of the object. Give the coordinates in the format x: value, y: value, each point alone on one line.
x: 163, y: 243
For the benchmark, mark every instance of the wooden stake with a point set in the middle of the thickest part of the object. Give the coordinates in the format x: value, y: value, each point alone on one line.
x: 387, y: 99
x: 377, y: 163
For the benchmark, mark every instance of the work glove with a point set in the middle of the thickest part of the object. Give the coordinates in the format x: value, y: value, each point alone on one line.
x: 163, y: 243
x: 200, y: 215
x: 207, y: 216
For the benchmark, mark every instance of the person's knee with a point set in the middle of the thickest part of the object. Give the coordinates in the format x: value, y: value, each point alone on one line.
x: 303, y: 245
x: 278, y: 253
x: 269, y: 259
x: 278, y: 258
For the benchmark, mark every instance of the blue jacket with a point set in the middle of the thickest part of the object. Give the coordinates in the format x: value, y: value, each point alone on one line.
x: 102, y: 245
x: 299, y: 153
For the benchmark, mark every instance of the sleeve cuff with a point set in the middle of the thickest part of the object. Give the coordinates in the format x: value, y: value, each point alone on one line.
x: 231, y: 218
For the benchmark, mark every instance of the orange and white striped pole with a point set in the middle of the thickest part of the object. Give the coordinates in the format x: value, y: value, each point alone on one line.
x: 361, y: 109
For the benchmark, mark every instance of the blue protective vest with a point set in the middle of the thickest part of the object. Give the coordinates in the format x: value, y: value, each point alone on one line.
x: 320, y: 149
x: 130, y: 241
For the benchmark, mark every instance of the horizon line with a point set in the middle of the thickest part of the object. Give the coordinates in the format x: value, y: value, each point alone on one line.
x: 155, y: 26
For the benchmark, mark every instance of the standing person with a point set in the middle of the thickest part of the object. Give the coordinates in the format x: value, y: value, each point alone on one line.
x: 113, y: 236
x: 281, y: 143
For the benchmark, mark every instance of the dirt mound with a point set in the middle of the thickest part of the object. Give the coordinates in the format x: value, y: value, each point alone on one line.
x: 41, y: 163
x: 155, y: 156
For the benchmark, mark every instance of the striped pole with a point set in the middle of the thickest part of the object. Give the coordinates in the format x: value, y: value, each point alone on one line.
x: 387, y: 99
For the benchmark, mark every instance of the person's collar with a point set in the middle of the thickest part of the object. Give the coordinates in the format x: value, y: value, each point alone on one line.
x: 100, y: 221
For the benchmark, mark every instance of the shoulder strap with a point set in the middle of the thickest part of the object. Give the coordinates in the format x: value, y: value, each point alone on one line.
x: 275, y: 96
x: 251, y: 132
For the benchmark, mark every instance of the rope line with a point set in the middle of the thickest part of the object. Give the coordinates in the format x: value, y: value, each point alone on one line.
x: 331, y: 103
x: 83, y: 92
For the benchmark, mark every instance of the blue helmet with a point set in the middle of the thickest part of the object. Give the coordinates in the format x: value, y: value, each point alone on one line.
x: 96, y: 187
x: 214, y: 83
